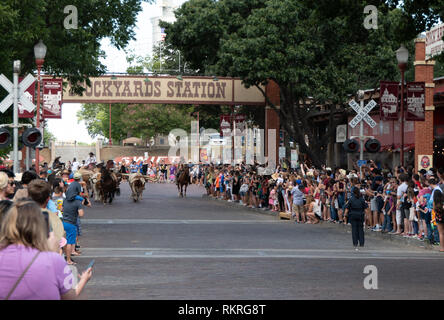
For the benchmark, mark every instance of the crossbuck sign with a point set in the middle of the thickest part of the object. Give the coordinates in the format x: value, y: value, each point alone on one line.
x: 22, y: 96
x: 362, y: 113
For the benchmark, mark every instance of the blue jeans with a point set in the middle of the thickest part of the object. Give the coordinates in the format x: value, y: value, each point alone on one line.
x: 333, y: 212
x: 387, y: 225
x: 430, y: 233
x: 435, y: 235
x: 415, y: 227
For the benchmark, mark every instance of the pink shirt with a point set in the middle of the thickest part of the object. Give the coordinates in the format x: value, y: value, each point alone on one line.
x: 48, y: 278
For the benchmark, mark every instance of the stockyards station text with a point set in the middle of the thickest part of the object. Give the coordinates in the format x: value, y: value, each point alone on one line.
x: 222, y: 310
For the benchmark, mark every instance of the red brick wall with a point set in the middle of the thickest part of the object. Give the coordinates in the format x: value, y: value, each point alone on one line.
x: 424, y: 130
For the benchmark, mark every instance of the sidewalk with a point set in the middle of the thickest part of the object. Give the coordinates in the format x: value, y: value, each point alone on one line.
x: 411, y: 242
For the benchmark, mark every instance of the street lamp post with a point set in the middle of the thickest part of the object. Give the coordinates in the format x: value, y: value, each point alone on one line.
x: 402, y: 55
x: 39, y: 53
x: 110, y: 139
x: 16, y: 71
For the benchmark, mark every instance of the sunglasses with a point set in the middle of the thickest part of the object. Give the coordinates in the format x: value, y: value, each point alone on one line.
x: 12, y: 184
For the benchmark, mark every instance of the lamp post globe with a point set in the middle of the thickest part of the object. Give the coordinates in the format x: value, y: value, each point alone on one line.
x: 40, y: 52
x: 402, y: 55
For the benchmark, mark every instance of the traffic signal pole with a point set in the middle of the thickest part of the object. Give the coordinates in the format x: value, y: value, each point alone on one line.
x: 16, y: 68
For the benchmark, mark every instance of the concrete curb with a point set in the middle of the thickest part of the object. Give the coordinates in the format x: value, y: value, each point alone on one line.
x: 410, y: 242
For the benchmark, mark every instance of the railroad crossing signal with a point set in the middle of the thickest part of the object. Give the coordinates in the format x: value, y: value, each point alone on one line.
x: 22, y: 96
x: 362, y: 114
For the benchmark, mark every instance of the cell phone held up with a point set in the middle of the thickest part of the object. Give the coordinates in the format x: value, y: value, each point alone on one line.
x: 91, y: 264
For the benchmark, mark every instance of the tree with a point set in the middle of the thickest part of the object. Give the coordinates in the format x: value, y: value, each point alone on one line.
x: 96, y: 118
x: 73, y: 54
x: 151, y: 120
x: 318, y: 53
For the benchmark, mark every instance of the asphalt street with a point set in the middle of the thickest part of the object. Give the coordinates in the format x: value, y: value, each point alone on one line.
x: 166, y: 247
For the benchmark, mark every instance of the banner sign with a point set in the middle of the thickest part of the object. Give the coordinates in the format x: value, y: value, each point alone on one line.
x: 240, y: 123
x: 434, y: 41
x: 415, y: 101
x: 341, y: 133
x: 30, y: 93
x: 294, y: 158
x: 166, y: 90
x: 425, y: 162
x: 52, y: 98
x: 225, y: 124
x: 389, y: 100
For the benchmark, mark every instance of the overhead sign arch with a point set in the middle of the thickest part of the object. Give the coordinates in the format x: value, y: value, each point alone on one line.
x: 166, y: 90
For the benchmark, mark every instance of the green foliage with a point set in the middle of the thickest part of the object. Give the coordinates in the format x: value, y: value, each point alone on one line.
x: 47, y: 137
x: 96, y: 118
x: 151, y: 120
x: 75, y: 53
x: 318, y: 52
x: 72, y: 54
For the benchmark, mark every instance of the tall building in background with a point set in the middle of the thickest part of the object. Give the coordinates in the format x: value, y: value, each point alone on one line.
x: 166, y: 8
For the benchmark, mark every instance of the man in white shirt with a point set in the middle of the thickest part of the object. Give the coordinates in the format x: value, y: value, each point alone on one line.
x: 75, y: 165
x: 401, y: 213
x: 91, y: 160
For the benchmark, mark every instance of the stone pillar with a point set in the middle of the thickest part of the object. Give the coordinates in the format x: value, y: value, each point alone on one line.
x: 272, y: 117
x: 424, y: 129
x: 98, y: 148
x: 53, y: 151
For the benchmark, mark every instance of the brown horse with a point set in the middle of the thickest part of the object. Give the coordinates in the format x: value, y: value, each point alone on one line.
x: 108, y: 183
x: 183, y: 179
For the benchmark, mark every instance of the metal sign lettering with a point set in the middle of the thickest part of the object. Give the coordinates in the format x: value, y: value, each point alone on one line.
x: 362, y: 114
x: 22, y: 97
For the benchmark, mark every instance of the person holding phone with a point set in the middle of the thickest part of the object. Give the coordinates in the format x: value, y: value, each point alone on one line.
x: 29, y: 269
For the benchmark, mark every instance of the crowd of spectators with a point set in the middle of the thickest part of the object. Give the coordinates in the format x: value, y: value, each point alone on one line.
x: 400, y: 201
x: 39, y: 234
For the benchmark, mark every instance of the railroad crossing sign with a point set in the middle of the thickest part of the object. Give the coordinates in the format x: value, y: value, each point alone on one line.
x: 23, y: 98
x: 362, y: 114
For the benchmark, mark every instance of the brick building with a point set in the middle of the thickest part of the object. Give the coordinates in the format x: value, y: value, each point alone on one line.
x: 420, y: 137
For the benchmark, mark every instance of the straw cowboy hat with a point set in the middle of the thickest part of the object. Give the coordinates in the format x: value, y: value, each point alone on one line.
x: 342, y: 172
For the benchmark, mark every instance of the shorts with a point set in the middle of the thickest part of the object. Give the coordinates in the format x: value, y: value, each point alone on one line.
x: 71, y: 232
x: 405, y: 213
x: 297, y: 209
x: 373, y: 205
x: 242, y: 194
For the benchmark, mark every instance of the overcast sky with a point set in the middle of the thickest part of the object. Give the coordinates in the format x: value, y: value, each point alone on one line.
x: 67, y: 128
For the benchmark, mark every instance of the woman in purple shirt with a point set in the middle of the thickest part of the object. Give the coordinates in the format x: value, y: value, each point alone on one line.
x: 29, y: 269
